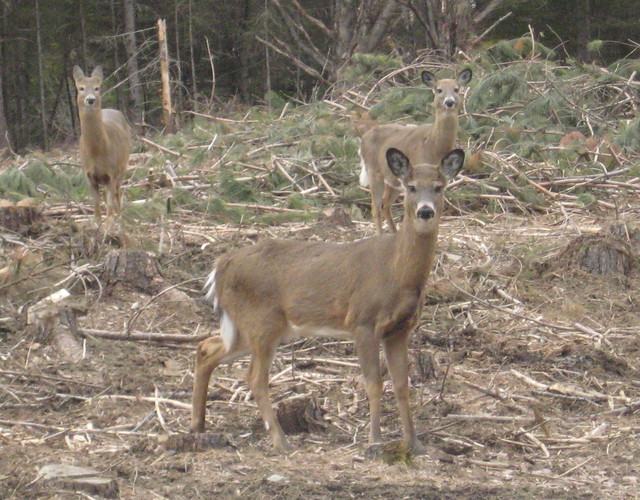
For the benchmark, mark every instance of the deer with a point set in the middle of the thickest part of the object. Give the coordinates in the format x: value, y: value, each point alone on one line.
x: 423, y: 144
x: 105, y: 142
x: 370, y: 291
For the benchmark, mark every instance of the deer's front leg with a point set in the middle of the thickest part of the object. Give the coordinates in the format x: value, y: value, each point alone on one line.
x: 258, y: 380
x: 369, y: 359
x: 396, y: 353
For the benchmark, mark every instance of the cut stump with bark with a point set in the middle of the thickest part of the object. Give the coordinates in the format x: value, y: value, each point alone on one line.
x: 21, y: 217
x: 601, y: 254
x: 300, y: 413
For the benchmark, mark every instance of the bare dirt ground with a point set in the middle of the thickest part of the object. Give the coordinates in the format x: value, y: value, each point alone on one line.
x: 532, y: 389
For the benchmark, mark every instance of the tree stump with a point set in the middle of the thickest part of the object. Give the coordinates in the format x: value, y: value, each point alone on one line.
x: 20, y: 217
x: 134, y: 268
x: 141, y: 271
x: 600, y: 254
x: 423, y: 366
x: 628, y: 232
x: 335, y: 216
x: 300, y: 413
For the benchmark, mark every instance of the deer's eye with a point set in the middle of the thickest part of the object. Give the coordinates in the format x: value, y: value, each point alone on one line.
x: 438, y: 188
x: 411, y: 188
x: 96, y: 89
x: 439, y: 91
x: 81, y: 89
x: 456, y: 90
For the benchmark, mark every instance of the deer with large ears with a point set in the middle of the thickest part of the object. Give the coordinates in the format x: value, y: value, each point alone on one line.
x: 105, y: 142
x: 369, y: 291
x: 423, y: 144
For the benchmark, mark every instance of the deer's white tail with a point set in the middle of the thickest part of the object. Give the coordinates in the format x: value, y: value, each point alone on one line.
x: 364, y: 177
x: 228, y: 330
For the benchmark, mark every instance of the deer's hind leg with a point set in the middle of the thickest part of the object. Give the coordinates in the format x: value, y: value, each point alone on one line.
x: 211, y: 352
x: 388, y: 199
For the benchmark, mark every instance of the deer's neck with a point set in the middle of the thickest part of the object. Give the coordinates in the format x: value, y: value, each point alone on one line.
x: 93, y: 134
x: 443, y: 133
x: 414, y: 255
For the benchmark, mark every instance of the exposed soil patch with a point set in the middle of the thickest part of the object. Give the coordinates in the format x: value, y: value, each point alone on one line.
x: 525, y: 380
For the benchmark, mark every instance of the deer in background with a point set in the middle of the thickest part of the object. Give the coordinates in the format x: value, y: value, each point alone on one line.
x: 105, y: 142
x: 369, y: 291
x: 423, y: 145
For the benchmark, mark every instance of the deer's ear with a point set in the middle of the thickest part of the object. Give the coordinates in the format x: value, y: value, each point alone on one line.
x: 429, y: 79
x: 399, y: 164
x: 464, y: 77
x: 452, y: 163
x: 97, y: 73
x: 78, y: 74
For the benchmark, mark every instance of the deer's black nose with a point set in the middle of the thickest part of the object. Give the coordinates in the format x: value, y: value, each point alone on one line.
x: 449, y: 103
x: 426, y: 213
x: 90, y: 100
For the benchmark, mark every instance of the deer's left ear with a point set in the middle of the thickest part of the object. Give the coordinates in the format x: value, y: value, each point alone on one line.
x: 399, y: 164
x: 464, y: 77
x: 452, y: 163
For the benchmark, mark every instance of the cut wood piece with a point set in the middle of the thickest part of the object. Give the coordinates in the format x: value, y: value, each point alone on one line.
x: 198, y: 441
x: 54, y: 321
x: 81, y: 479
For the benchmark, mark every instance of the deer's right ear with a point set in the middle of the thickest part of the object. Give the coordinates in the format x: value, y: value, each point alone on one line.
x: 78, y: 74
x: 465, y: 76
x: 398, y: 163
x: 97, y: 73
x: 429, y: 79
x: 452, y: 163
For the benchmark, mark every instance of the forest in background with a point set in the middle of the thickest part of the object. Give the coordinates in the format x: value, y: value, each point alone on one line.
x: 228, y: 53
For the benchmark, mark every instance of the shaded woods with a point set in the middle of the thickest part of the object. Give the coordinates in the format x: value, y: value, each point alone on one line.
x: 254, y: 51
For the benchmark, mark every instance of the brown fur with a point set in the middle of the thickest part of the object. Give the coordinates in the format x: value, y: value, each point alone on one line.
x: 369, y: 291
x: 423, y: 144
x: 105, y: 142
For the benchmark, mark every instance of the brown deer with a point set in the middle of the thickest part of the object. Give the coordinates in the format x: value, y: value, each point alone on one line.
x: 369, y: 291
x: 105, y: 142
x: 423, y: 144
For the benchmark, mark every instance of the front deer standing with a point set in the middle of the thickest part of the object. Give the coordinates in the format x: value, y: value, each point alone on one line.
x: 423, y: 144
x: 369, y: 291
x: 105, y: 142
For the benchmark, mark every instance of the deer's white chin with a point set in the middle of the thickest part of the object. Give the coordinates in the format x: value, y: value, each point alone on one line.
x: 426, y: 226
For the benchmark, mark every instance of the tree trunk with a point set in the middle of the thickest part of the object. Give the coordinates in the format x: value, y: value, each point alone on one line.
x: 43, y: 113
x: 583, y: 22
x: 135, y: 88
x: 194, y: 84
x: 4, y: 130
x: 167, y: 109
